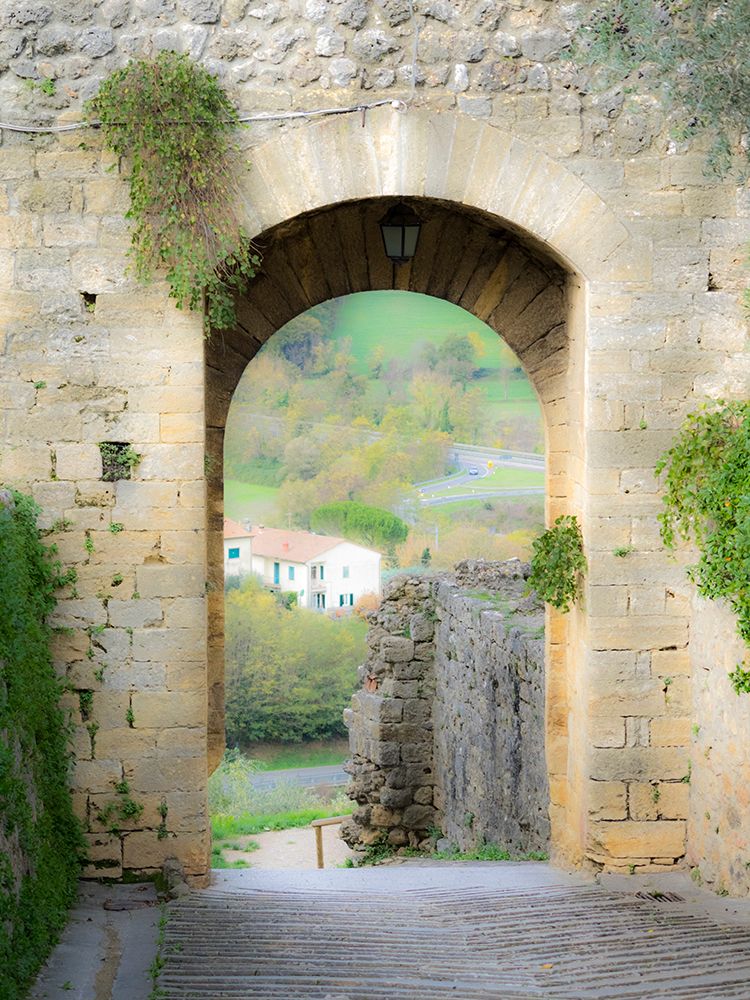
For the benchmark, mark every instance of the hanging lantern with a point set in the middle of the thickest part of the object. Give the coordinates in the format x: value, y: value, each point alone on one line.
x: 400, y: 228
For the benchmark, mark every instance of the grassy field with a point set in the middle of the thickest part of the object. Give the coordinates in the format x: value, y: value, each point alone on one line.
x: 399, y: 321
x: 525, y: 511
x: 248, y: 500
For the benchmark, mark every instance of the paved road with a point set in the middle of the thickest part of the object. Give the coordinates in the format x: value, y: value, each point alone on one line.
x: 308, y: 777
x: 528, y: 491
x: 468, y: 932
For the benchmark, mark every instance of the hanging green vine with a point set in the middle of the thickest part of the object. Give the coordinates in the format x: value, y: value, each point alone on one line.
x: 558, y: 563
x: 707, y: 501
x: 174, y: 122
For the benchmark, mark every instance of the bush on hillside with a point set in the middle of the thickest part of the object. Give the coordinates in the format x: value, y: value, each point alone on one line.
x: 289, y: 672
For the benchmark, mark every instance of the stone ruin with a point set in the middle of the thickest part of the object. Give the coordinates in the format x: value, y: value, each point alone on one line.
x: 447, y: 730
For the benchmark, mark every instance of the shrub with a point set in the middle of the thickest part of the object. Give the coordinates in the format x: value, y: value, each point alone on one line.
x: 558, y: 563
x: 176, y: 124
x: 707, y: 501
x: 40, y: 840
x: 289, y: 672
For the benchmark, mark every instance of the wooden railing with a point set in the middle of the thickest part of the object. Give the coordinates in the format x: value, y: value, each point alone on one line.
x: 317, y: 825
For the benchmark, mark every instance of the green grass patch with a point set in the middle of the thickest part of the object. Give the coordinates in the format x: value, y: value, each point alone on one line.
x: 224, y: 826
x: 501, y: 478
x: 489, y: 852
x: 219, y: 861
x: 249, y: 500
x: 379, y: 853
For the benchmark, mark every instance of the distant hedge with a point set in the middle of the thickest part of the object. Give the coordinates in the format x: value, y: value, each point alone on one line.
x: 360, y: 523
x: 40, y: 839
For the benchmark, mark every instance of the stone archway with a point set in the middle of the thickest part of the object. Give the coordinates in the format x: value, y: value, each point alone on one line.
x: 502, y: 225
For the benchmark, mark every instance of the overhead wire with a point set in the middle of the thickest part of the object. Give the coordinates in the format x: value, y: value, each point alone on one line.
x: 397, y: 104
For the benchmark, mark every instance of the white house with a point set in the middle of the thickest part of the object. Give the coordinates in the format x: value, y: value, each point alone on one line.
x: 326, y: 573
x: 238, y: 559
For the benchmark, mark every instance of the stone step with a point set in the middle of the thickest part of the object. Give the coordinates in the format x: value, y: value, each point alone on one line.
x: 562, y: 942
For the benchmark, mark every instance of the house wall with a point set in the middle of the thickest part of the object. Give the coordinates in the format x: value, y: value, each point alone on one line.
x: 364, y: 573
x: 263, y: 566
x: 243, y: 565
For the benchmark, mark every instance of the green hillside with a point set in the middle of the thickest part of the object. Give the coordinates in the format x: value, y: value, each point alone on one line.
x: 399, y: 322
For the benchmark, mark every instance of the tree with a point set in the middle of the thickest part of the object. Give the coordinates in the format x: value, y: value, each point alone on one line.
x: 360, y: 523
x: 426, y: 557
x: 289, y: 672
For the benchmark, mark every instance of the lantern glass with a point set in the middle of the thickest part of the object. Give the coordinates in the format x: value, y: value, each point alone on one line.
x: 400, y: 228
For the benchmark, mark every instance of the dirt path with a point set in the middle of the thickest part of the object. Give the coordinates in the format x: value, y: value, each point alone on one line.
x: 291, y: 849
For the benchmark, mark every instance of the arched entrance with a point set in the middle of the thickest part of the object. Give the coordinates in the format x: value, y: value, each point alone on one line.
x: 526, y: 246
x: 466, y: 257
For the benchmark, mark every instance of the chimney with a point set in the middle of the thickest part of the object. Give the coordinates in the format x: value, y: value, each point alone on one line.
x: 285, y: 546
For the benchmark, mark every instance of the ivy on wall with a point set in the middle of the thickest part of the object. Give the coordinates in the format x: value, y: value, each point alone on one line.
x: 558, y: 563
x: 707, y: 501
x: 40, y: 840
x: 175, y: 124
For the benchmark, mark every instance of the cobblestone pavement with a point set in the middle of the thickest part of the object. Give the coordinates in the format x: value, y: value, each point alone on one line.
x: 471, y: 932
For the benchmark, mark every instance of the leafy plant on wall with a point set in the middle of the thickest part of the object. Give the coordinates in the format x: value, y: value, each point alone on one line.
x: 175, y: 124
x: 707, y: 501
x: 558, y: 563
x: 40, y: 838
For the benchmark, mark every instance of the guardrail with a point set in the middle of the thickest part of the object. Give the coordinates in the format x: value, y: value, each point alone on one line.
x: 317, y: 825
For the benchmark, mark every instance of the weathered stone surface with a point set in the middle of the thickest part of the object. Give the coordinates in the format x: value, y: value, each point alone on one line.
x: 625, y: 212
x: 464, y: 736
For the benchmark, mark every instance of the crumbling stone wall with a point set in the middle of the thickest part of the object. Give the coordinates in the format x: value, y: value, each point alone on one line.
x: 490, y: 770
x: 390, y: 721
x: 448, y: 729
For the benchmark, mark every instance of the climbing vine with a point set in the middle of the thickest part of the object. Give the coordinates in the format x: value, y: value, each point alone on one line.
x: 694, y: 53
x: 174, y: 122
x: 40, y: 840
x: 558, y: 563
x: 707, y: 501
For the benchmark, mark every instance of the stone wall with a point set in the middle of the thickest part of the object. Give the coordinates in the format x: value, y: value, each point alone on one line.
x: 718, y: 827
x: 514, y: 156
x: 390, y: 722
x: 448, y: 729
x: 490, y: 768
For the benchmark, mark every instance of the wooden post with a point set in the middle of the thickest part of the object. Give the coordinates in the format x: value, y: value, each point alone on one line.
x: 317, y: 825
x: 319, y: 845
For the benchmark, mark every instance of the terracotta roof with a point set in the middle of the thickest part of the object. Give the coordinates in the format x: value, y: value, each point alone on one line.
x: 294, y: 546
x: 234, y: 530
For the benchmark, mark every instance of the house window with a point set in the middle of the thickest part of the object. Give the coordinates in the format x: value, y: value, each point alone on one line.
x: 276, y: 573
x: 320, y: 601
x: 233, y: 554
x: 346, y: 600
x: 346, y: 572
x: 291, y: 572
x: 316, y: 572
